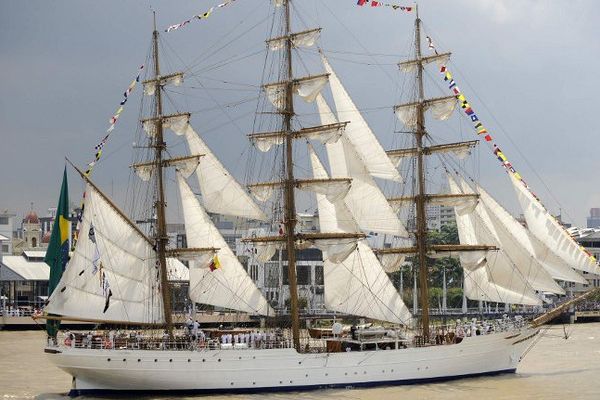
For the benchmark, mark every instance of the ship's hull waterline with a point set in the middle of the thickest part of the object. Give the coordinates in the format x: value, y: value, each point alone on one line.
x: 251, y: 370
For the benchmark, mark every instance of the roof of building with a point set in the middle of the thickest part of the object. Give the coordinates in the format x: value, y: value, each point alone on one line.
x: 40, y: 271
x: 3, y: 238
x: 592, y: 235
x: 31, y: 218
x: 31, y: 254
x: 29, y: 270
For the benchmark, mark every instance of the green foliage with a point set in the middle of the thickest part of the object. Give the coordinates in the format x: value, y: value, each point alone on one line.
x: 302, y: 303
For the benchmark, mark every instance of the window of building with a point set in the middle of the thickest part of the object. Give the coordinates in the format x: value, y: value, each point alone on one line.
x: 4, y: 248
x: 319, y: 278
x: 303, y: 272
x: 3, y: 220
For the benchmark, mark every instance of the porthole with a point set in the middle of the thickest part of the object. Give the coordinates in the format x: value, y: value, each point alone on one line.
x: 254, y: 383
x: 170, y: 360
x: 219, y: 360
x: 155, y: 360
x: 139, y: 360
x: 355, y: 373
x: 290, y: 381
x: 231, y: 383
x: 108, y: 359
x: 364, y: 372
x: 239, y: 358
x: 203, y: 360
x: 306, y: 375
x: 124, y: 359
x: 189, y: 360
x: 299, y: 362
x: 280, y: 382
x: 345, y: 373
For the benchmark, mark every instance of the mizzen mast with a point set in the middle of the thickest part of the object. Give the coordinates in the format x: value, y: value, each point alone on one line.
x: 289, y: 182
x: 159, y: 145
x: 421, y: 232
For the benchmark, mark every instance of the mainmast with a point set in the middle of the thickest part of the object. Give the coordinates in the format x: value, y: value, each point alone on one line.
x: 289, y: 183
x: 159, y: 145
x: 421, y: 233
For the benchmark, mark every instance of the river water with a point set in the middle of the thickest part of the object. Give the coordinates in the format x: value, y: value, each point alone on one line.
x: 555, y: 369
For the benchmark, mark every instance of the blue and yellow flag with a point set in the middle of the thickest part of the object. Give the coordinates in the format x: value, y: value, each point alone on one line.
x: 57, y: 254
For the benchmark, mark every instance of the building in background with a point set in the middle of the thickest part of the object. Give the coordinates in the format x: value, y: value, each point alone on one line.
x: 593, y: 221
x: 590, y: 239
x: 7, y: 228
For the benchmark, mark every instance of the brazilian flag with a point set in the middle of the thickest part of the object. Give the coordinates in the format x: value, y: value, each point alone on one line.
x: 57, y: 254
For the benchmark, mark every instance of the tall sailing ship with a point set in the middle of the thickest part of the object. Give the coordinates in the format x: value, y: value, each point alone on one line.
x: 503, y: 261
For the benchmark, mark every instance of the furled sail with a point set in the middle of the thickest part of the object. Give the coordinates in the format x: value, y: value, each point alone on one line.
x: 301, y: 39
x: 535, y: 248
x: 440, y: 109
x: 221, y: 193
x: 112, y: 275
x: 222, y: 281
x: 307, y: 88
x: 411, y: 65
x: 491, y: 278
x: 545, y: 227
x: 365, y: 200
x: 502, y: 224
x: 358, y: 285
x: 358, y: 132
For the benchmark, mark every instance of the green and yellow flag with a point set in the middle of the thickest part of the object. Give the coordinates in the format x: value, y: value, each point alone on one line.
x: 57, y: 254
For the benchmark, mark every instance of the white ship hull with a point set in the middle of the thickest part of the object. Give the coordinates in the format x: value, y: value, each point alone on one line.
x: 251, y: 370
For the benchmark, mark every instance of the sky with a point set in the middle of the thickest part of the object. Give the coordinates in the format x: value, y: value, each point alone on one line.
x: 528, y: 67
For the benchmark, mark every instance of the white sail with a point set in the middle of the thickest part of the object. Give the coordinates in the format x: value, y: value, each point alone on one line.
x: 513, y: 242
x: 493, y: 278
x: 228, y: 285
x: 221, y: 193
x: 545, y: 227
x: 123, y: 257
x: 358, y: 285
x: 365, y: 200
x: 358, y: 132
x: 534, y: 248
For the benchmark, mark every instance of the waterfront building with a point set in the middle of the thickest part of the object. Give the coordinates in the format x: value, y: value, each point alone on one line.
x: 593, y: 221
x: 590, y: 239
x: 7, y: 228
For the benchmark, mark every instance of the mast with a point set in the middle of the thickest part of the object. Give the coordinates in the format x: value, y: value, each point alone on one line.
x: 290, y: 206
x: 421, y: 233
x: 159, y: 145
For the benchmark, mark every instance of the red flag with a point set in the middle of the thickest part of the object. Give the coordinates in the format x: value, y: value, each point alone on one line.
x: 361, y: 2
x: 375, y: 4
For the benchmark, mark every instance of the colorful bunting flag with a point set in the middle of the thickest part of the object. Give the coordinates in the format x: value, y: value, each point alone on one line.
x: 199, y: 16
x: 98, y: 148
x: 375, y: 3
x: 480, y: 129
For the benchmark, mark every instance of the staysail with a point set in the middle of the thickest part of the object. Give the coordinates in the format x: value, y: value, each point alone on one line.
x: 545, y: 227
x: 490, y: 278
x: 524, y: 238
x: 358, y: 285
x: 507, y: 238
x: 112, y: 275
x: 222, y: 280
x: 221, y: 193
x: 358, y: 132
x: 365, y: 200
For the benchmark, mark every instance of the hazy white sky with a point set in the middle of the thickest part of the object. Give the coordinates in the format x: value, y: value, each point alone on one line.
x: 528, y: 67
